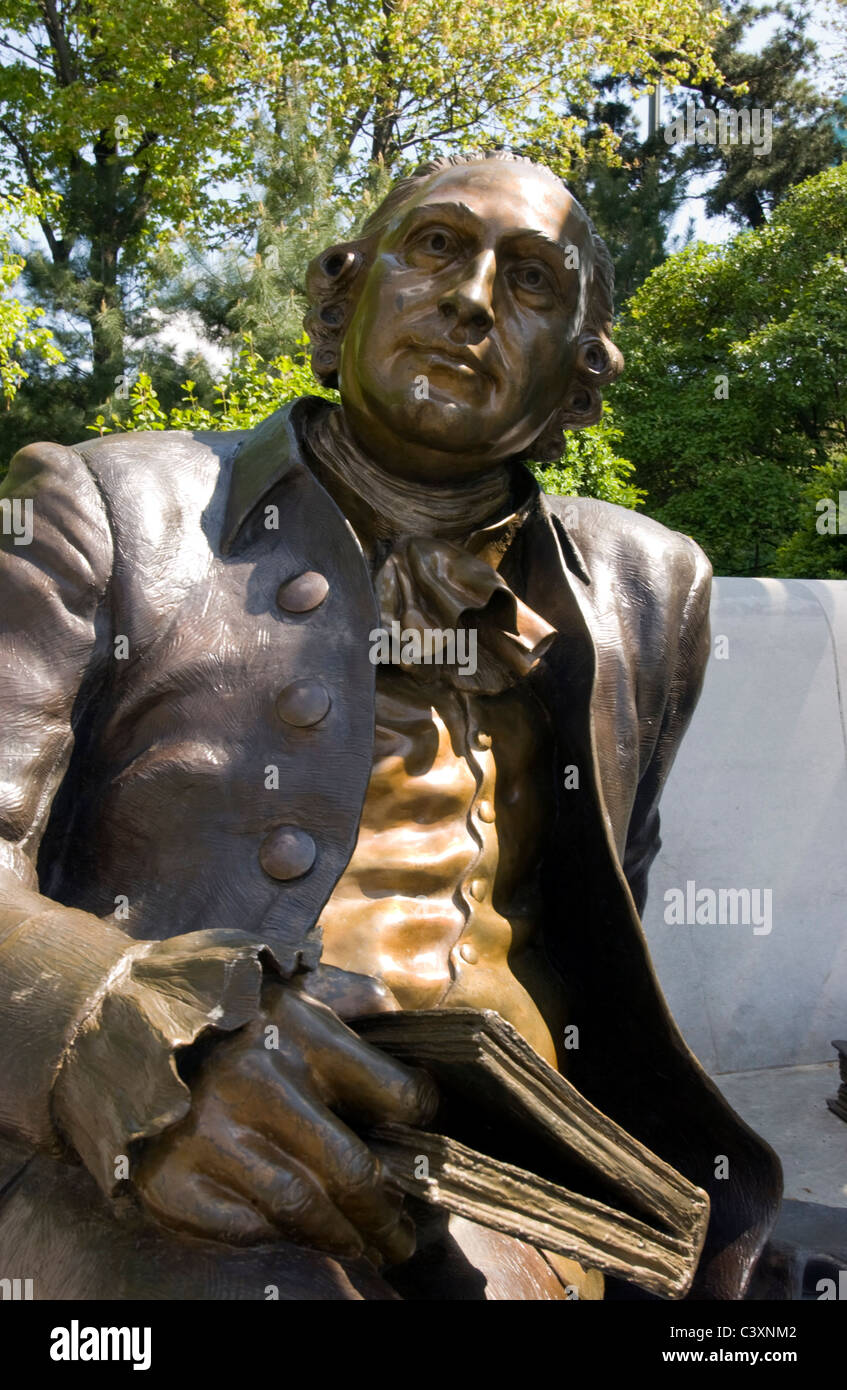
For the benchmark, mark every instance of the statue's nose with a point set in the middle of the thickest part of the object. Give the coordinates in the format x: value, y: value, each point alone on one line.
x: 470, y: 300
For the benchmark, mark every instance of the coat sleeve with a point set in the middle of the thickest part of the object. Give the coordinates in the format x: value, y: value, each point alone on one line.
x: 690, y: 645
x: 81, y: 1002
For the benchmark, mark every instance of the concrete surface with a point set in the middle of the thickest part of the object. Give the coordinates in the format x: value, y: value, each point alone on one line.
x: 787, y: 1106
x: 806, y: 1258
x: 758, y: 800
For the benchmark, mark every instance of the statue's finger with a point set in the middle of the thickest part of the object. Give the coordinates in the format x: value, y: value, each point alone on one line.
x: 350, y: 1175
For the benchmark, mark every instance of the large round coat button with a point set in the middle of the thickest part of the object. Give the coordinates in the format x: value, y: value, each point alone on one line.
x: 288, y: 852
x: 303, y: 703
x: 303, y: 593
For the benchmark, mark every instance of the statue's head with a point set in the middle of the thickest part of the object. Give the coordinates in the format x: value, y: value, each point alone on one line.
x: 469, y: 323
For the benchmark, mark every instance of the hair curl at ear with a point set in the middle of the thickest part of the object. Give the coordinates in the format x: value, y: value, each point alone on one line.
x: 334, y: 279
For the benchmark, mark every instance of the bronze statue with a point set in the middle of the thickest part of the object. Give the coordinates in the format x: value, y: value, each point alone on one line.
x: 249, y: 788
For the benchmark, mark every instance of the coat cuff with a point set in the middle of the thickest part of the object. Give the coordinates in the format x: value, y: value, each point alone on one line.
x: 119, y: 1083
x: 52, y: 962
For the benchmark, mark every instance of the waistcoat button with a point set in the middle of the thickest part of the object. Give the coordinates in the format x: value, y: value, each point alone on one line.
x: 303, y: 593
x: 287, y: 852
x: 303, y: 703
x: 478, y: 889
x: 469, y: 952
x: 486, y: 812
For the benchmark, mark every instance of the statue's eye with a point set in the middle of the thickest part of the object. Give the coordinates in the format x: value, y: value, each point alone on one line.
x: 533, y: 277
x: 436, y: 242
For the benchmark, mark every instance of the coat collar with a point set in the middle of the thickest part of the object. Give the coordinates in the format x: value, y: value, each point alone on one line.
x: 270, y: 452
x: 263, y: 458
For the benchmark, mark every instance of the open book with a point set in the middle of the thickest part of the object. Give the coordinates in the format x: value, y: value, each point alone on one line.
x: 521, y: 1151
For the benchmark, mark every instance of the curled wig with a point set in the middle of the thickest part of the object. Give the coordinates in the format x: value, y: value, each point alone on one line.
x: 335, y: 276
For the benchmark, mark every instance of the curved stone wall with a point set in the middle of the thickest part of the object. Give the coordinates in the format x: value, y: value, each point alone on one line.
x: 757, y: 801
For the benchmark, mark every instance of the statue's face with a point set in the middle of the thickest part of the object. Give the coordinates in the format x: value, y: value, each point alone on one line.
x: 463, y: 337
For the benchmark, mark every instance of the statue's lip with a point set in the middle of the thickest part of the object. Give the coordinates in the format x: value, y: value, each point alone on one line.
x: 452, y: 356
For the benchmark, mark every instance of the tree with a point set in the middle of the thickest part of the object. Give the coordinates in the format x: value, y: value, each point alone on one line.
x: 326, y: 150
x: 818, y: 547
x: 21, y: 335
x: 248, y: 392
x: 256, y: 287
x: 735, y: 386
x: 396, y: 79
x: 631, y: 189
x: 141, y: 116
x: 750, y: 181
x: 128, y: 112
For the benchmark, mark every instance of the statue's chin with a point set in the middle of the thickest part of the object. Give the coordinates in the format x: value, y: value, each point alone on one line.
x: 446, y: 426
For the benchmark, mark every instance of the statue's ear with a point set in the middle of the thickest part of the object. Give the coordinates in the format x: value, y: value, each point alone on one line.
x: 330, y: 282
x: 597, y: 363
x: 583, y: 405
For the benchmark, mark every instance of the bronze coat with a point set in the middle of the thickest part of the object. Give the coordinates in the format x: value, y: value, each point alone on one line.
x: 138, y: 770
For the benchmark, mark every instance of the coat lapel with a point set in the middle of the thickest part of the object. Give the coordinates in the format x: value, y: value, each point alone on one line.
x: 559, y: 587
x: 263, y: 458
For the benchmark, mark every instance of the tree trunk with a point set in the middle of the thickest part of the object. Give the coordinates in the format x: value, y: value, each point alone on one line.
x: 749, y: 205
x: 106, y: 320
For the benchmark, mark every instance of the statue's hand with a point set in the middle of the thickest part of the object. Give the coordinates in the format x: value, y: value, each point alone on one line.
x: 265, y: 1151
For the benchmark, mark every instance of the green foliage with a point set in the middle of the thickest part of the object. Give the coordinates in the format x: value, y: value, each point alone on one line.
x: 248, y: 392
x: 736, y: 374
x: 366, y: 92
x: 127, y: 109
x: 203, y: 153
x: 396, y: 80
x: 633, y: 185
x: 738, y: 512
x: 131, y: 113
x: 592, y: 467
x: 818, y: 548
x: 21, y: 335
